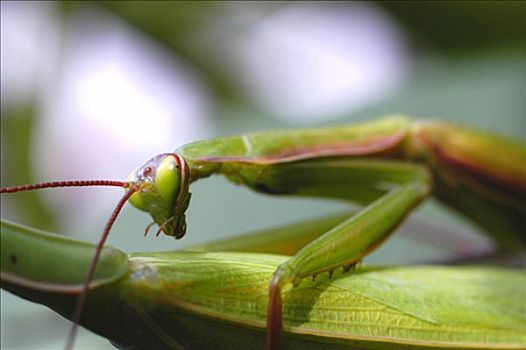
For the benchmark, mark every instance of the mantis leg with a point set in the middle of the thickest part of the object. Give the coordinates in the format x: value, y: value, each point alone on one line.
x: 290, y: 238
x: 397, y: 189
x: 284, y: 240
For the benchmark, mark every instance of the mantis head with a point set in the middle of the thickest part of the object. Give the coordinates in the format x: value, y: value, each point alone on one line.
x: 162, y: 190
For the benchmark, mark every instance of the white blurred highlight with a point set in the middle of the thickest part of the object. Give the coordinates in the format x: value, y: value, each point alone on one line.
x: 311, y: 61
x: 118, y: 101
x: 28, y: 39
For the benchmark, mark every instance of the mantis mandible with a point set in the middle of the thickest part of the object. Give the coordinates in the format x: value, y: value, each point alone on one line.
x: 389, y: 166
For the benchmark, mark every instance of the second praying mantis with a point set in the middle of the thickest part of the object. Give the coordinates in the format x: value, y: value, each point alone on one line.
x: 389, y: 166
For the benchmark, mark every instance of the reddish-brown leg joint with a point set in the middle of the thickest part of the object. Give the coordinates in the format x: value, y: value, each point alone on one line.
x: 274, y: 313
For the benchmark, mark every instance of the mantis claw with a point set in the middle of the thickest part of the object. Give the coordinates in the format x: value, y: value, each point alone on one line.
x: 161, y: 228
x: 148, y: 228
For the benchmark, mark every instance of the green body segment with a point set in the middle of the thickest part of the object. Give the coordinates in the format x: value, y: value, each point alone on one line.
x: 442, y: 146
x: 481, y: 175
x: 357, y: 236
x: 198, y: 300
x: 283, y: 240
x: 278, y: 146
x: 38, y: 266
x: 372, y: 308
x: 438, y: 144
x: 492, y: 159
x: 491, y: 192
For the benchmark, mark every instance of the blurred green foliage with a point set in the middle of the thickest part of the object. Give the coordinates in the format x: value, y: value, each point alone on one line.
x: 447, y: 26
x: 17, y: 132
x: 179, y: 26
x: 462, y: 26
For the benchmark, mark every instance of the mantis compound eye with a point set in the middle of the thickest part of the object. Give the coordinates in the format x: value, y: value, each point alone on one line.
x: 168, y: 179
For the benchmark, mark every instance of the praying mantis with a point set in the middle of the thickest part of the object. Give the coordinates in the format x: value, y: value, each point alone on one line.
x: 389, y: 166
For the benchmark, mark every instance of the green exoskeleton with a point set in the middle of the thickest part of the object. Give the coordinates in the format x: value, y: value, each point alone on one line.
x: 389, y: 166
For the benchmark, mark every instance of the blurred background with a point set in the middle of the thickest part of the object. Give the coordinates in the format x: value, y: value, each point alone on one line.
x: 91, y: 90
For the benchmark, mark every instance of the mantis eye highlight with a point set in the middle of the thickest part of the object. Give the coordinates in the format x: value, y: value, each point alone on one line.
x: 148, y: 171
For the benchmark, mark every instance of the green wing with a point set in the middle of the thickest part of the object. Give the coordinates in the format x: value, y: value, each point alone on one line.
x: 197, y: 300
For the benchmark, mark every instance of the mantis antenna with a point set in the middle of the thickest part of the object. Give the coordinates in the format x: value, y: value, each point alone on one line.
x: 93, y: 264
x: 54, y: 184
